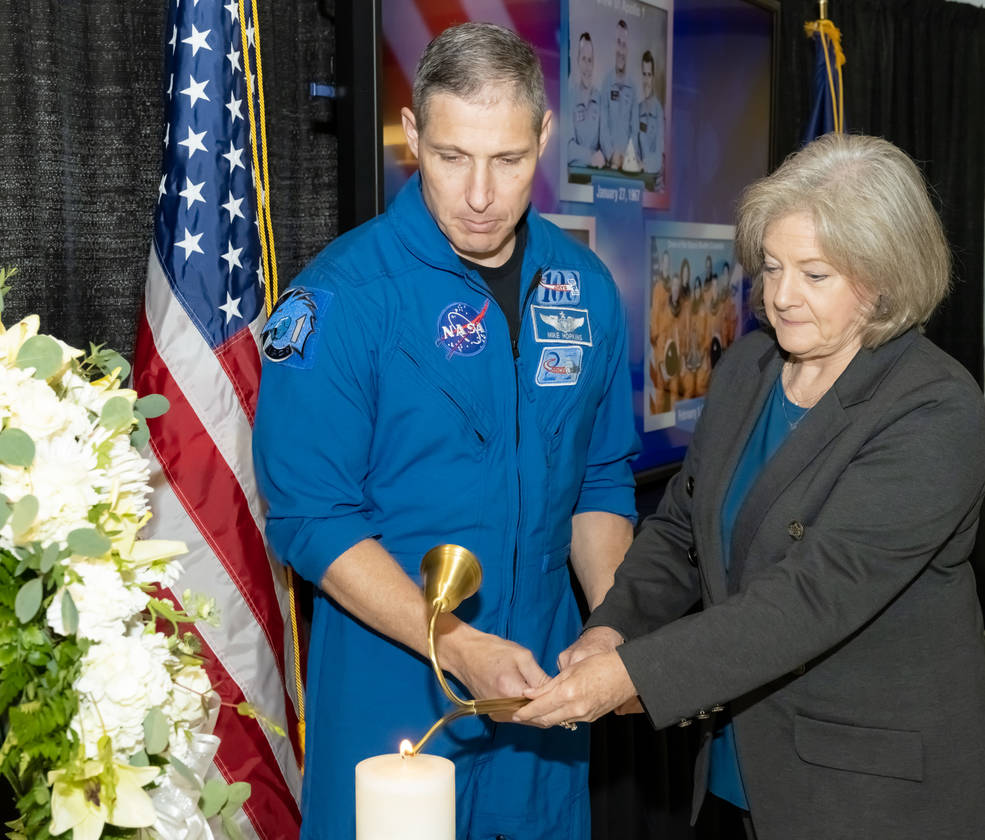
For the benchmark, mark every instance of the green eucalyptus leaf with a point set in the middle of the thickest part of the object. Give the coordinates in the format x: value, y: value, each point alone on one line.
x: 153, y: 405
x: 16, y: 448
x: 139, y: 759
x: 49, y: 557
x: 88, y: 542
x: 28, y: 600
x: 42, y: 353
x: 70, y: 614
x: 155, y: 731
x: 24, y: 513
x: 236, y: 795
x: 116, y: 413
x: 141, y: 435
x: 214, y: 795
x: 112, y: 360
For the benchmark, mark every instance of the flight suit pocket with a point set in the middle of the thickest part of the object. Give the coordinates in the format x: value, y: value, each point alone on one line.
x: 557, y: 559
x: 448, y: 398
x: 895, y: 753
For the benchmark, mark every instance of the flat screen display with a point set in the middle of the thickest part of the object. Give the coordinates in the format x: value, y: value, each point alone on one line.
x: 662, y: 115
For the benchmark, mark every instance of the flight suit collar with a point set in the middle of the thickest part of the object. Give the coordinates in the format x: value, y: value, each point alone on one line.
x: 420, y: 234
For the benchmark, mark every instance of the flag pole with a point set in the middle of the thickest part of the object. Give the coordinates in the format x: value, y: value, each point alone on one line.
x: 258, y: 125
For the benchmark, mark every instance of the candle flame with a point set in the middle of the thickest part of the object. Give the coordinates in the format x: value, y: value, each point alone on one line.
x: 406, y: 748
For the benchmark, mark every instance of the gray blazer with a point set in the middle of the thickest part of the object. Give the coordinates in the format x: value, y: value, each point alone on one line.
x: 846, y: 636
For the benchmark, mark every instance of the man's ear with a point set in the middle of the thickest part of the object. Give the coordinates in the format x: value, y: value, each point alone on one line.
x: 409, y: 123
x: 545, y: 132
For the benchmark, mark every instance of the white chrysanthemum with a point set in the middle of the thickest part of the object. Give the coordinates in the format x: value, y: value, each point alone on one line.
x: 128, y: 476
x: 122, y: 679
x: 11, y: 381
x: 188, y: 704
x: 104, y: 603
x: 37, y: 410
x: 65, y: 480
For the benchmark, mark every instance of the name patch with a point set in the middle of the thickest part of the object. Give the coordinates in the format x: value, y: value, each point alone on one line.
x: 559, y: 366
x: 288, y: 336
x: 461, y: 329
x: 554, y: 324
x: 559, y: 287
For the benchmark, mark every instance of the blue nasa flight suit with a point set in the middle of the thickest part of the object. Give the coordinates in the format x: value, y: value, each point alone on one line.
x: 616, y: 124
x: 392, y: 406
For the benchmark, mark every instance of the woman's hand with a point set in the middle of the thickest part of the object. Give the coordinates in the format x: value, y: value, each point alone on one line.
x: 584, y: 691
x: 592, y: 641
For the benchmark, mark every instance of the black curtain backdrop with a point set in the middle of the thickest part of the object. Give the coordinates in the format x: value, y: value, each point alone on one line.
x: 914, y: 74
x: 80, y: 153
x: 80, y: 134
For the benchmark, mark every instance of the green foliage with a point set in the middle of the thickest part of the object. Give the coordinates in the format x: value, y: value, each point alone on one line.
x: 155, y: 731
x: 106, y: 362
x: 23, y: 514
x: 16, y: 448
x: 88, y: 542
x: 5, y: 275
x: 116, y: 413
x: 37, y: 670
x: 151, y: 406
x: 42, y: 353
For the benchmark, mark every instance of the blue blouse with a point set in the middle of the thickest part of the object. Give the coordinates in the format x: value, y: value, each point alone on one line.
x: 778, y: 418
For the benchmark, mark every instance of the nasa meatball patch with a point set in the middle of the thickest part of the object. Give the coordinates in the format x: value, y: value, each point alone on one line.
x: 462, y: 329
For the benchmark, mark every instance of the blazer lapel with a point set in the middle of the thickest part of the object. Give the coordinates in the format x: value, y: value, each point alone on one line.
x: 820, y: 426
x: 723, y: 444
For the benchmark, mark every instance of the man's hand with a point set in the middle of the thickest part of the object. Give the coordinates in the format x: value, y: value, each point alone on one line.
x: 490, y: 666
x: 597, y: 159
x: 584, y: 692
x: 615, y: 162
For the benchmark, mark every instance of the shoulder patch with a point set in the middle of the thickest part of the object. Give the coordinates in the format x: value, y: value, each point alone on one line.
x: 288, y: 336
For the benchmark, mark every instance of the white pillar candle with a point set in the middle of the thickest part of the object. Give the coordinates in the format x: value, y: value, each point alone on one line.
x: 405, y: 797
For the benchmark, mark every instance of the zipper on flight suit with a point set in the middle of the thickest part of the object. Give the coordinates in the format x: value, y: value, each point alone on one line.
x: 516, y: 404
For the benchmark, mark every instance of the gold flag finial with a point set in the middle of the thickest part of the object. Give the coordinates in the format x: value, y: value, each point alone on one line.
x: 822, y: 6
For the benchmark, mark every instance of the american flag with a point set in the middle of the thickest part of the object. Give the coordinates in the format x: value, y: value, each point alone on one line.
x: 197, y: 345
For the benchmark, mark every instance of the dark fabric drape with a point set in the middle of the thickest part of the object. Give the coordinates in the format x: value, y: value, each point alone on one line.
x: 913, y: 74
x: 80, y: 153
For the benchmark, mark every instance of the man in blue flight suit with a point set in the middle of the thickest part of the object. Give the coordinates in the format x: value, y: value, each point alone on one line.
x: 650, y: 125
x: 583, y: 134
x: 616, y: 125
x: 453, y: 371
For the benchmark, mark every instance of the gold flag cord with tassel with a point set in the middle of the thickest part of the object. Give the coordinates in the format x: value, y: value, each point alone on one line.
x: 829, y: 34
x: 261, y: 182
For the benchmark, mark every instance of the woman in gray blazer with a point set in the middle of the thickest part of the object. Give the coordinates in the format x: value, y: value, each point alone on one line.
x: 824, y: 515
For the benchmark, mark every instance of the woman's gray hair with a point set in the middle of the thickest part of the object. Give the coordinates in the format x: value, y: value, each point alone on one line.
x: 874, y: 223
x: 464, y: 59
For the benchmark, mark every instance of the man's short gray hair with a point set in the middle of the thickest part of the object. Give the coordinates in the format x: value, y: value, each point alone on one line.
x: 465, y: 59
x: 873, y: 220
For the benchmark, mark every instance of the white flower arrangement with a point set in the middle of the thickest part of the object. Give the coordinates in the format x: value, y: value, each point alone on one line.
x: 105, y: 708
